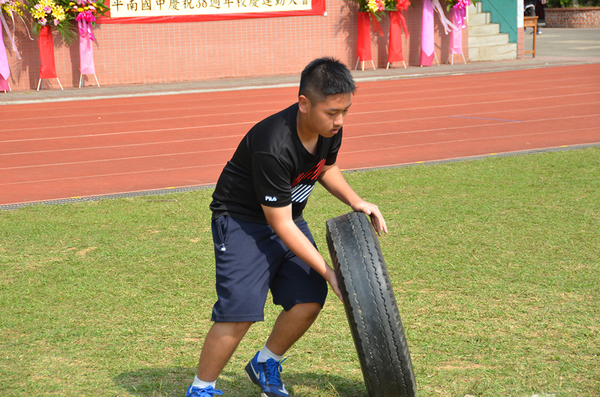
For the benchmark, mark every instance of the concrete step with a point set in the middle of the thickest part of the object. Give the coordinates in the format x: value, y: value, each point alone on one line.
x: 489, y: 40
x: 486, y: 43
x: 474, y: 8
x: 493, y: 53
x: 484, y: 30
x: 479, y: 18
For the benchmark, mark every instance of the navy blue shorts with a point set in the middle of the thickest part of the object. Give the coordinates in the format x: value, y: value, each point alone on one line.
x: 250, y: 260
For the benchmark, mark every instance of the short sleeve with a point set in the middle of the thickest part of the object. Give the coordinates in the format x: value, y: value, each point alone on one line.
x: 271, y: 177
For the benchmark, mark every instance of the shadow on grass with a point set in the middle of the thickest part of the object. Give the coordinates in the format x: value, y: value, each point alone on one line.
x: 175, y: 381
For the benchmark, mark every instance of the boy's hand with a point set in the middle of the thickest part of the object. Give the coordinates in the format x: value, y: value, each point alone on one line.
x: 373, y: 211
x: 331, y: 278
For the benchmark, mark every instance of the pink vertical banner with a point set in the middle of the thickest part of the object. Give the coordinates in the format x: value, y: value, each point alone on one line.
x: 363, y: 42
x: 427, y: 35
x: 4, y: 67
x: 459, y: 17
x: 86, y: 51
x: 456, y: 34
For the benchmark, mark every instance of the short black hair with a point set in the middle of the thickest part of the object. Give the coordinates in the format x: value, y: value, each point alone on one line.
x: 323, y: 77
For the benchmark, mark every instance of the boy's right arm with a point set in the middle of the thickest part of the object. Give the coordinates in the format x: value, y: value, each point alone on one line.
x: 280, y: 219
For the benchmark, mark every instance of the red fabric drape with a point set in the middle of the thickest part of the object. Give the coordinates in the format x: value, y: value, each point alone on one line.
x: 46, y: 46
x: 363, y: 42
x: 397, y: 22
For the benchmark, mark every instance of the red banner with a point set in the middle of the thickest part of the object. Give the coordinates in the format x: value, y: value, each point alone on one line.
x: 46, y: 46
x: 397, y: 21
x: 363, y: 42
x: 317, y: 8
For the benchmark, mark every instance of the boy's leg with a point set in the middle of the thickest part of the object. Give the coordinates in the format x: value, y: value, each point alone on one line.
x: 242, y: 286
x: 291, y: 325
x: 219, y: 345
x: 301, y: 291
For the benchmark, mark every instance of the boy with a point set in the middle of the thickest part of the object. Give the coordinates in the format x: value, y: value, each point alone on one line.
x: 261, y: 240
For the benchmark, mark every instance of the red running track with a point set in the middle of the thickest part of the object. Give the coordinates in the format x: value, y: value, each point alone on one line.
x: 53, y: 151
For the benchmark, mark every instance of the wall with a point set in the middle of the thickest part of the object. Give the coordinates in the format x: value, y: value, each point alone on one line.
x: 189, y: 51
x: 584, y: 17
x: 504, y: 12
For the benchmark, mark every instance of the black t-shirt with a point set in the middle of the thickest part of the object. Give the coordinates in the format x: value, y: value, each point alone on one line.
x: 271, y: 167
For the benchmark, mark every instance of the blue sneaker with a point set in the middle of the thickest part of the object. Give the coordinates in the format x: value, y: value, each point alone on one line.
x: 266, y: 375
x: 204, y: 392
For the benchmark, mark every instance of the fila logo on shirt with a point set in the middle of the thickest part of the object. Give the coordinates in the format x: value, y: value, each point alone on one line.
x: 270, y: 198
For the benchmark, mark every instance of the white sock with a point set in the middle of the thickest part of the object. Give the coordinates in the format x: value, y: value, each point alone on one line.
x: 266, y: 354
x: 202, y: 384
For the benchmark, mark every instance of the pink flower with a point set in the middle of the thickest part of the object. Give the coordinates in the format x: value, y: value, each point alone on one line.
x: 461, y: 4
x: 47, y: 9
x: 42, y: 21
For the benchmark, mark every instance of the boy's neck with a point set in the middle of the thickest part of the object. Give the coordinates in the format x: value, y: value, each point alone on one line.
x: 309, y: 139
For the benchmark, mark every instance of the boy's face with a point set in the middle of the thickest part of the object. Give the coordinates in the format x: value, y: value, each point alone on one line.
x: 326, y: 118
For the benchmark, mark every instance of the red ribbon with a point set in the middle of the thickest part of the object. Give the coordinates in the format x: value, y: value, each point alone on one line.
x: 376, y: 26
x: 402, y: 5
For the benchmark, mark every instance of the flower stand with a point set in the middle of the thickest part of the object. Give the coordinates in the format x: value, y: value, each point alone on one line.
x: 397, y: 21
x: 459, y: 16
x: 47, y: 63
x: 427, y: 35
x: 4, y: 67
x: 427, y: 30
x: 86, y: 51
x: 363, y: 42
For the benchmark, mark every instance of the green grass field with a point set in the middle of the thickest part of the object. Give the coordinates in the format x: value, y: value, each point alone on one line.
x: 495, y: 266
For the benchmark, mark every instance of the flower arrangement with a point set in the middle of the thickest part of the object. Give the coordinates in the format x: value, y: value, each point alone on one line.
x: 47, y: 12
x: 52, y: 13
x: 376, y: 8
x: 11, y: 6
x: 87, y: 9
x: 460, y: 4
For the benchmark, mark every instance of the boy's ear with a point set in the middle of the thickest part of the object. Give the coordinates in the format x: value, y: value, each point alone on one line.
x: 303, y: 103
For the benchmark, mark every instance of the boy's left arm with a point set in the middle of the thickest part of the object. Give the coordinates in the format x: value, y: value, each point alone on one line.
x: 332, y: 179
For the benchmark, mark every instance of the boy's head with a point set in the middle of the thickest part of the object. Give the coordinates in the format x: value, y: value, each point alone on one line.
x: 324, y: 77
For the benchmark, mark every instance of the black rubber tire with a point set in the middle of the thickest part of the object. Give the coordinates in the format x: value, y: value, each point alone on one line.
x: 371, y: 307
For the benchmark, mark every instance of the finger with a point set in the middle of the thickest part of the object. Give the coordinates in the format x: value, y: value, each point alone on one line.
x: 339, y: 294
x: 378, y: 224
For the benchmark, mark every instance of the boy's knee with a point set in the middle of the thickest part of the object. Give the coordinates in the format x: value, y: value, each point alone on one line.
x: 307, y: 310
